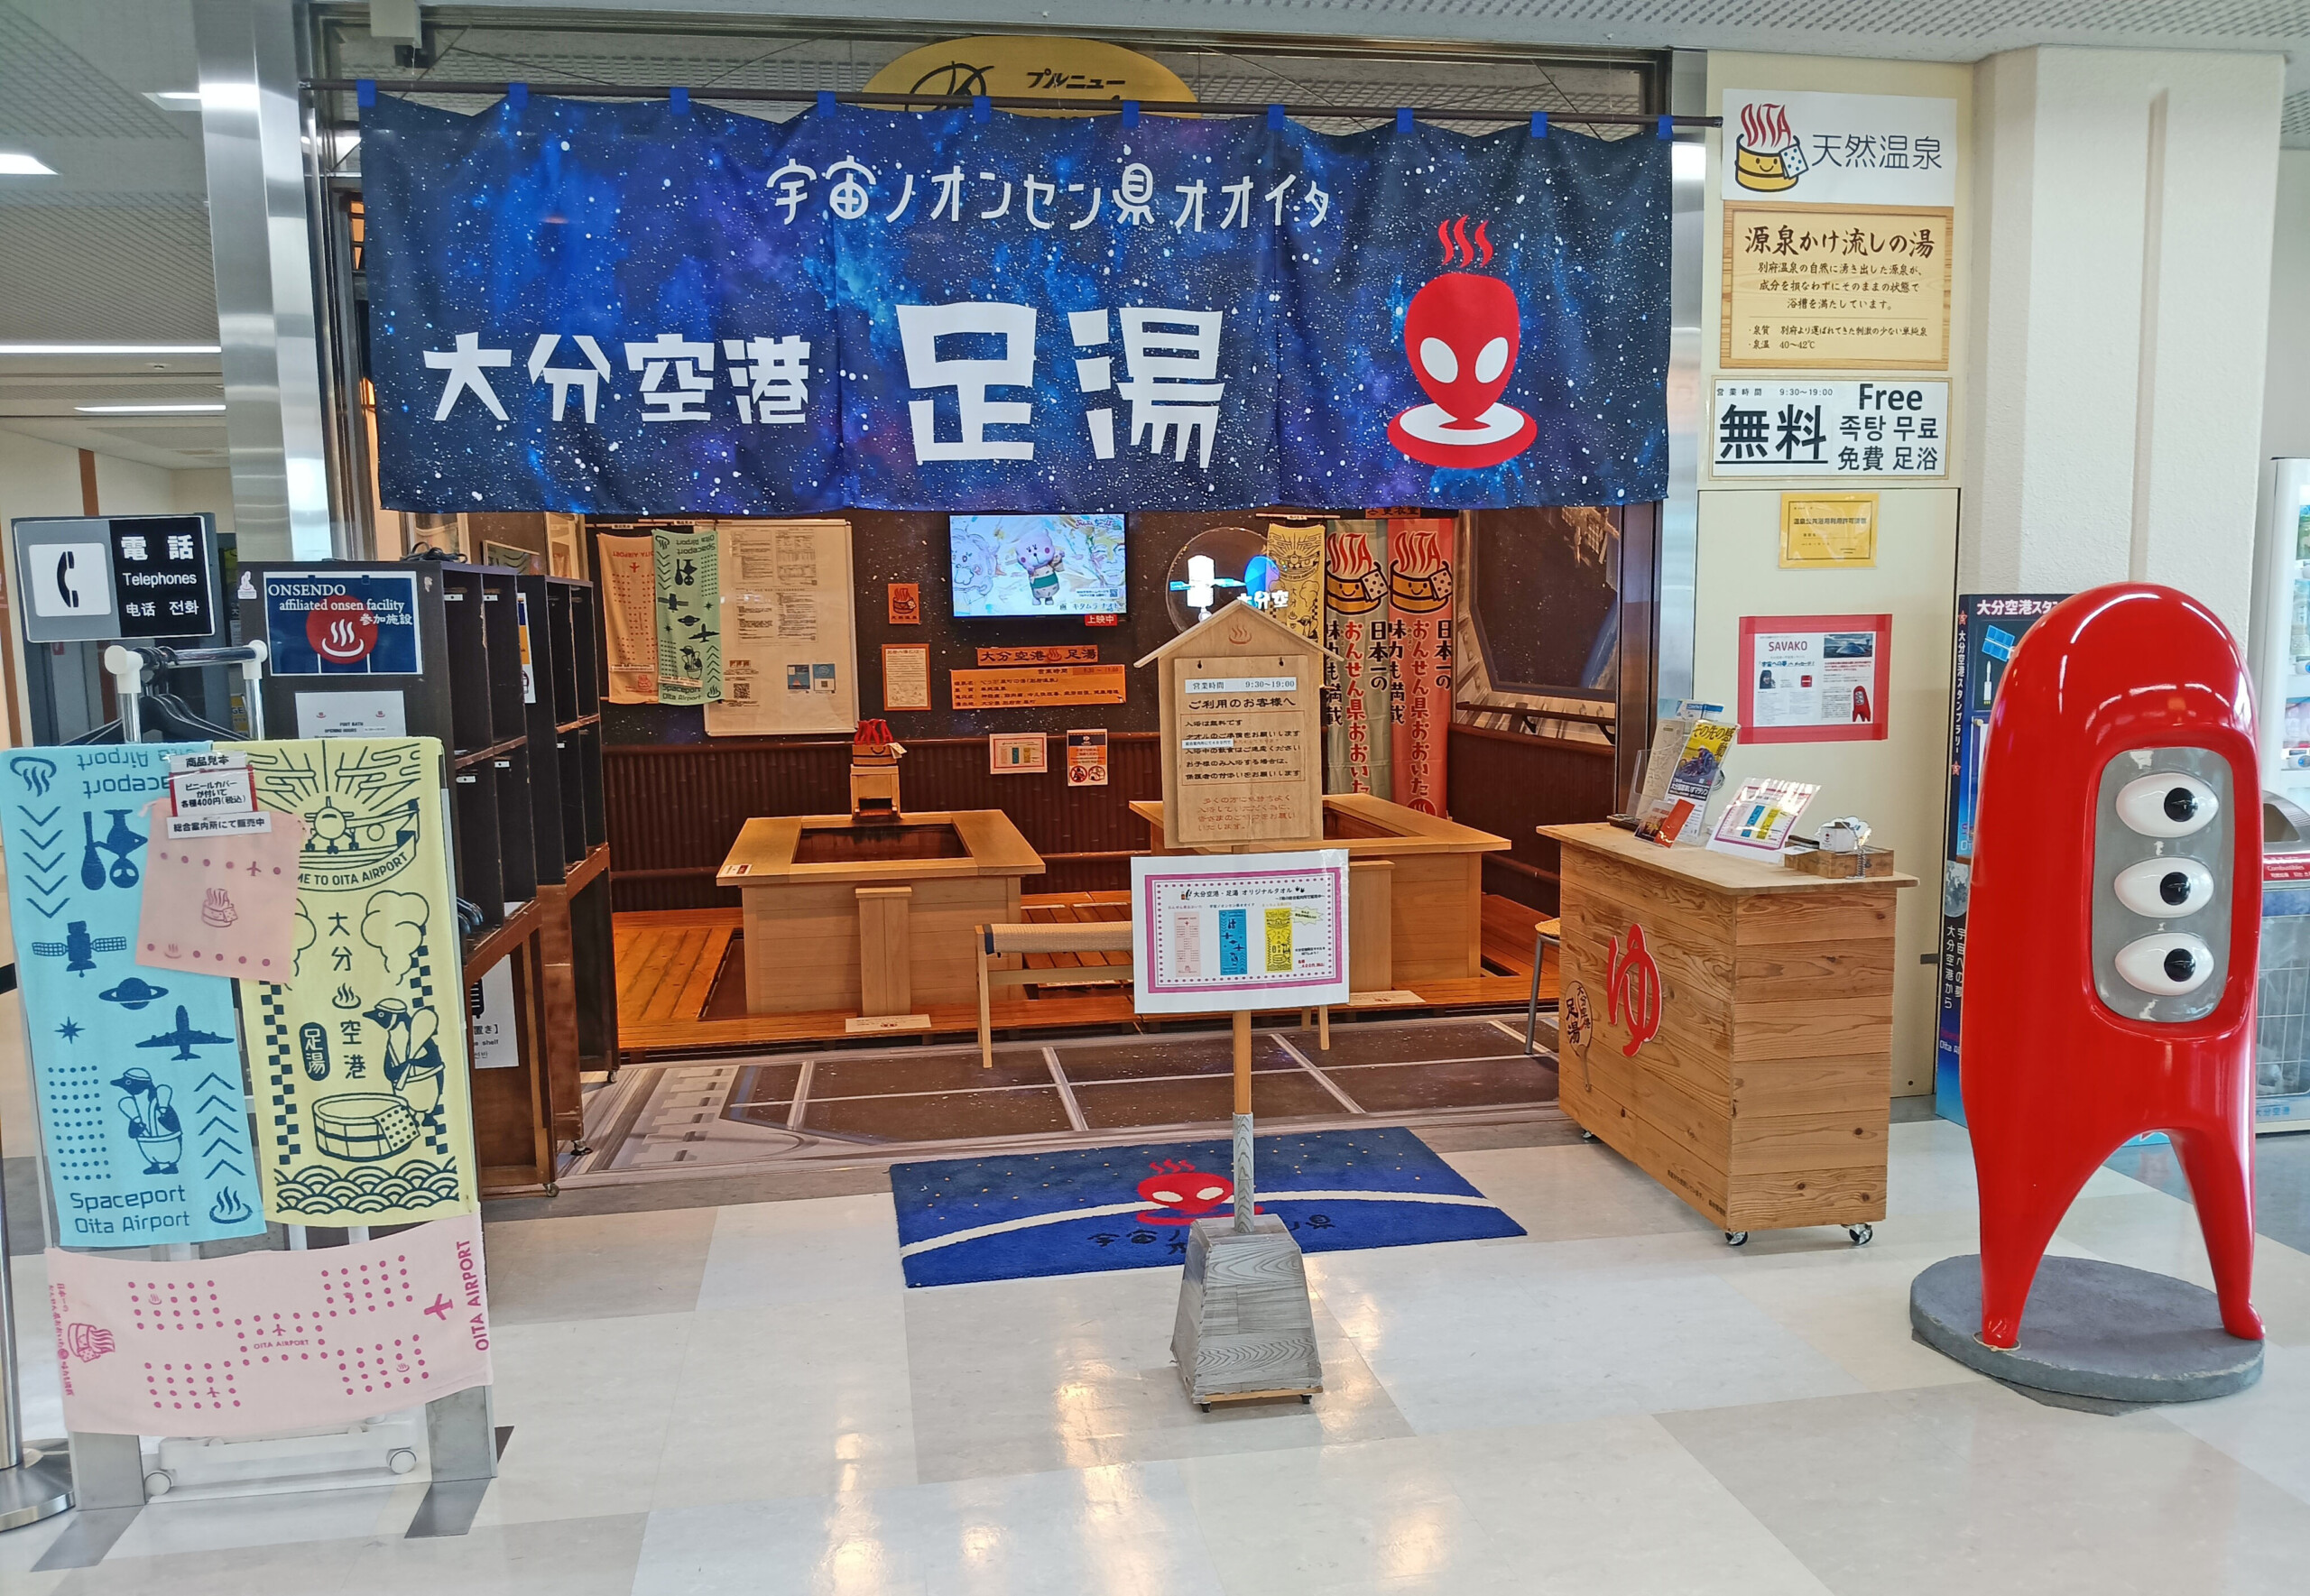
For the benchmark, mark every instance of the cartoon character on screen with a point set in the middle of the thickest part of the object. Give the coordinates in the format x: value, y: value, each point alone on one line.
x: 1461, y: 332
x: 1106, y: 559
x: 1041, y: 559
x: 2114, y: 931
x: 973, y: 569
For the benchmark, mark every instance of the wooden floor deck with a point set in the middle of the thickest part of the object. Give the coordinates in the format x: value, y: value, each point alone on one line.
x: 668, y: 961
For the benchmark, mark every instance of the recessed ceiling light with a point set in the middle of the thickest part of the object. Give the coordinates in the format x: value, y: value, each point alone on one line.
x: 16, y: 163
x: 150, y: 410
x: 109, y: 349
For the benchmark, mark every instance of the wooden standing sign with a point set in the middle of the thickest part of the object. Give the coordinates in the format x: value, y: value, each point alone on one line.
x: 1241, y: 704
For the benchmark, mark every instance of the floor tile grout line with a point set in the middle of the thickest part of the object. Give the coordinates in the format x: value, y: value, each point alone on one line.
x: 801, y: 1094
x: 1074, y: 1118
x: 1327, y: 1084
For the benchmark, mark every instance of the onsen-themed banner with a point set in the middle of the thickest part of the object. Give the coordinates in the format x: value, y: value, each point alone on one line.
x: 1488, y: 327
x: 638, y: 308
x: 270, y: 1341
x: 358, y: 1060
x: 136, y: 1072
x: 1360, y: 678
x: 689, y: 617
x: 629, y: 569
x: 1419, y: 644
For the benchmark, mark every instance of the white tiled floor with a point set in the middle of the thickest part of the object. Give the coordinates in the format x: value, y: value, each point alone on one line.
x: 748, y: 1399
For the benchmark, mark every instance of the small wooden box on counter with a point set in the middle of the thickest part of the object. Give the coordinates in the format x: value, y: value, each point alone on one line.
x: 1727, y: 1026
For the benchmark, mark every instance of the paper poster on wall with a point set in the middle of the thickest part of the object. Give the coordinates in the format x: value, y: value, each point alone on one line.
x: 1419, y: 644
x: 1839, y: 149
x: 1815, y: 288
x: 690, y: 625
x: 136, y: 1074
x: 630, y: 617
x: 1022, y: 686
x: 319, y: 623
x: 906, y: 676
x: 1814, y: 678
x: 1826, y: 427
x: 1823, y: 531
x: 789, y: 641
x: 1359, y: 679
x: 904, y: 603
x: 1086, y: 757
x: 1222, y: 932
x: 267, y: 1342
x: 1017, y: 753
x: 358, y: 1060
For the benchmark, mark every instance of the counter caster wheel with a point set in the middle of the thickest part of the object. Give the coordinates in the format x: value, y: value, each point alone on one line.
x: 1306, y: 1400
x: 1587, y: 1135
x: 1861, y: 1234
x: 1204, y: 1406
x: 1736, y: 1238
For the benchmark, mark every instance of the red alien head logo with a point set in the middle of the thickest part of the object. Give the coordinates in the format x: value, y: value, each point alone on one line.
x: 1461, y: 332
x: 1632, y: 989
x: 1186, y: 1190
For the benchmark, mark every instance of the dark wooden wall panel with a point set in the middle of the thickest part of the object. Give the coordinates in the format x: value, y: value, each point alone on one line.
x: 1509, y: 783
x: 674, y: 810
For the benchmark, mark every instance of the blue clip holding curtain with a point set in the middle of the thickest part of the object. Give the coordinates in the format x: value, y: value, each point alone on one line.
x: 364, y: 93
x: 1540, y: 125
x: 1275, y: 118
x: 1668, y: 127
x: 1131, y: 112
x: 1403, y: 118
x: 982, y: 109
x: 678, y: 101
x: 517, y: 96
x: 826, y: 102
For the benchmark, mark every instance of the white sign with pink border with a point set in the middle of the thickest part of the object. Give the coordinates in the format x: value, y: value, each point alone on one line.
x: 1215, y: 933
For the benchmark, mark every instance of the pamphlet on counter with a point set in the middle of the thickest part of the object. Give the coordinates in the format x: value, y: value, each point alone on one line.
x: 1759, y: 819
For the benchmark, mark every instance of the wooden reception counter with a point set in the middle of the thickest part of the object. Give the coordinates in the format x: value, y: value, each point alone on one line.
x: 1420, y: 876
x: 1727, y: 1026
x: 875, y: 920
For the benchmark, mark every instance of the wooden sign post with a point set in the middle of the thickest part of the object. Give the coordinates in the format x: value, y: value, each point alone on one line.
x: 1242, y: 706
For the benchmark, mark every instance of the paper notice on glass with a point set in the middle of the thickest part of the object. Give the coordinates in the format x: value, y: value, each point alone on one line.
x: 630, y: 617
x: 789, y: 646
x: 1757, y: 820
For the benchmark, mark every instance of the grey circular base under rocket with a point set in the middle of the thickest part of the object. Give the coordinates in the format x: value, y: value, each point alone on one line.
x: 2090, y: 1329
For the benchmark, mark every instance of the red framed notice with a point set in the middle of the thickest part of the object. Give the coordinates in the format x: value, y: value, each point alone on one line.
x: 1814, y: 678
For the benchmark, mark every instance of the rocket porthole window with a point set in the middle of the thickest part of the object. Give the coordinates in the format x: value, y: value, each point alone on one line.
x: 2167, y: 805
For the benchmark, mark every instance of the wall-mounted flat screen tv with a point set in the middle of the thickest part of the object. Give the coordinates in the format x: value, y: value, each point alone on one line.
x: 1037, y: 565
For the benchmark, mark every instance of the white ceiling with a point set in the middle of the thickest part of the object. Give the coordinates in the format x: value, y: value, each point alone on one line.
x: 116, y: 246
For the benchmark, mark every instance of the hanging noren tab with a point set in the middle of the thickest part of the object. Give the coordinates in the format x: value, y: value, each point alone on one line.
x: 1275, y: 118
x: 1403, y: 118
x: 1668, y: 127
x: 364, y: 93
x: 826, y: 102
x: 1540, y: 125
x: 1131, y: 112
x: 517, y: 95
x: 677, y: 101
x: 982, y: 108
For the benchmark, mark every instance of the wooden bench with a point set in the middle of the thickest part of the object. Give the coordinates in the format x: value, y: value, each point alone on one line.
x: 1082, y: 936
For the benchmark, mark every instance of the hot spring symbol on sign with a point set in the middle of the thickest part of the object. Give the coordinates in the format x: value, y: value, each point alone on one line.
x: 1461, y: 332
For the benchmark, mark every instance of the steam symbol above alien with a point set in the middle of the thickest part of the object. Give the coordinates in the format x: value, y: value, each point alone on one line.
x: 1461, y: 332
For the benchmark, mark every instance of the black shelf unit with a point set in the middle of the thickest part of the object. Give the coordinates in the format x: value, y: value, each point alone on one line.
x: 525, y: 778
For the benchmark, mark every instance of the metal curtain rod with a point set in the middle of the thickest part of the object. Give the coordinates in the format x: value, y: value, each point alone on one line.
x: 1001, y: 102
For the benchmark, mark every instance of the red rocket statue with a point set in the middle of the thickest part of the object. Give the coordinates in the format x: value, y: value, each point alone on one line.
x: 2114, y: 928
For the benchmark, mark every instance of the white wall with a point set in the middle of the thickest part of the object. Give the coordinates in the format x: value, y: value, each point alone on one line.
x: 2126, y: 202
x: 2286, y: 394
